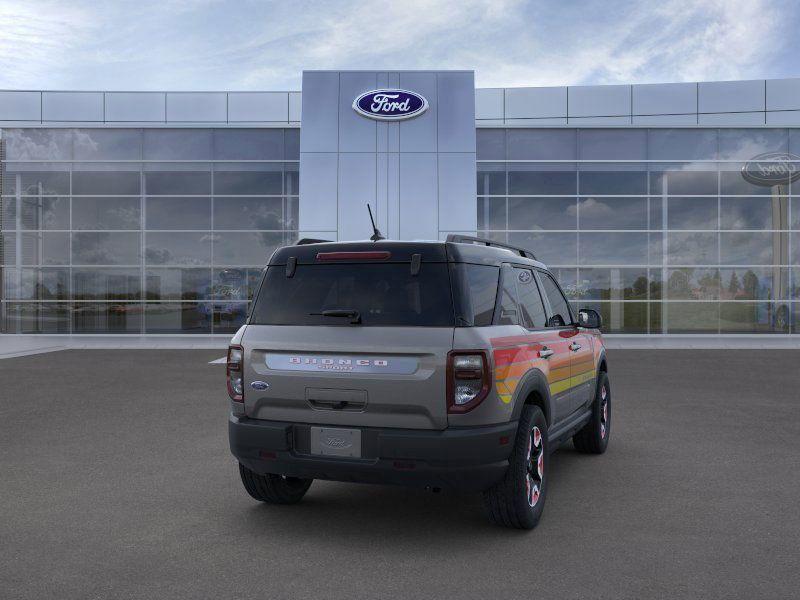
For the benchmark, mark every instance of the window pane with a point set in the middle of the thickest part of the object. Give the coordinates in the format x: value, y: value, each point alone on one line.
x: 107, y: 318
x: 683, y: 183
x: 751, y: 317
x: 530, y: 300
x: 550, y: 248
x: 38, y: 144
x: 248, y: 182
x: 48, y: 248
x: 116, y: 248
x: 248, y: 144
x: 474, y: 293
x: 235, y: 284
x: 691, y: 317
x: 178, y: 144
x: 178, y: 284
x: 693, y: 284
x: 612, y: 213
x: 108, y: 144
x: 35, y: 183
x: 105, y: 213
x: 228, y: 317
x: 509, y: 312
x: 8, y: 214
x: 612, y: 248
x: 118, y: 183
x: 178, y: 213
x: 542, y: 213
x: 692, y: 213
x: 568, y: 280
x: 32, y: 317
x: 245, y: 248
x: 541, y: 144
x: 45, y: 212
x: 35, y: 284
x: 291, y: 144
x: 613, y: 284
x: 490, y: 144
x: 291, y: 179
x: 733, y: 182
x: 746, y: 144
x: 491, y: 179
x: 522, y: 181
x: 755, y: 283
x: 106, y: 284
x: 611, y: 144
x: 753, y: 213
x: 176, y: 317
x: 682, y: 144
x: 560, y: 313
x: 692, y: 248
x: 178, y: 183
x: 178, y: 248
x: 754, y: 248
x: 613, y: 182
x: 249, y: 213
x: 621, y: 317
x: 491, y: 213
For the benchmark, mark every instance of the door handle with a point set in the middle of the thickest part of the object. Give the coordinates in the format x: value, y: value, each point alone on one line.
x: 574, y: 346
x: 545, y: 352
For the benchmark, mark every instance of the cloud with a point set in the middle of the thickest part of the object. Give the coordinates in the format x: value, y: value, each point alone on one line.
x: 209, y: 44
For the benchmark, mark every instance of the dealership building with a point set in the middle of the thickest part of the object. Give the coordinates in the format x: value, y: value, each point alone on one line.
x: 672, y: 209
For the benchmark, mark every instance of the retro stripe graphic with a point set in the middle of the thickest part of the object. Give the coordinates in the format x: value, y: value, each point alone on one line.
x: 515, y: 355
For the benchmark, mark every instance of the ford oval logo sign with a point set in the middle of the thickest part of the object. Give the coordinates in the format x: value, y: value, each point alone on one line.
x: 772, y: 168
x: 390, y: 105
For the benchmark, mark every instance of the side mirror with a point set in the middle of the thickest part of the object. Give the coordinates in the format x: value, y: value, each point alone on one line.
x: 590, y: 319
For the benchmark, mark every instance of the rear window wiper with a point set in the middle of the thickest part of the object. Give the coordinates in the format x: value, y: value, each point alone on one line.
x: 353, y: 315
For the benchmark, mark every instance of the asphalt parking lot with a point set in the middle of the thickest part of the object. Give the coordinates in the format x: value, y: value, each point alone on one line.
x: 116, y: 482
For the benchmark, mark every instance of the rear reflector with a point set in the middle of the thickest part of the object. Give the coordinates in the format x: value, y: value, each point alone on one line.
x: 370, y: 255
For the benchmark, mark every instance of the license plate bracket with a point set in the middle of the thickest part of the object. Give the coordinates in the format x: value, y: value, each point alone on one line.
x: 335, y: 441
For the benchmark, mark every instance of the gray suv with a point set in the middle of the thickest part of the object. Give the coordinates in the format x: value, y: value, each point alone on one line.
x: 456, y: 364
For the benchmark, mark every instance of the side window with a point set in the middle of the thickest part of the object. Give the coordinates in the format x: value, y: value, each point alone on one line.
x: 560, y: 307
x: 507, y: 315
x: 530, y: 301
x: 474, y: 292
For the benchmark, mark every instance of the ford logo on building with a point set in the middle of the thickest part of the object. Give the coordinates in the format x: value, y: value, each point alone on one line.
x: 772, y: 168
x: 390, y: 105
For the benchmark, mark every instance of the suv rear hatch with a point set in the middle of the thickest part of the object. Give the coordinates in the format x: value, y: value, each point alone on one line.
x: 351, y: 334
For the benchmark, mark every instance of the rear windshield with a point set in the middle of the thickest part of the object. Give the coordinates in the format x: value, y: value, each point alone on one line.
x: 383, y: 294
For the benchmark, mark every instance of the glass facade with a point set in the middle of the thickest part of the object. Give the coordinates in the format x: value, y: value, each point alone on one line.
x: 140, y: 230
x: 657, y: 229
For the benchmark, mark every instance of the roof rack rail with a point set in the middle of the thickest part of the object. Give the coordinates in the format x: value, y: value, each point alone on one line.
x: 468, y: 239
x: 304, y: 241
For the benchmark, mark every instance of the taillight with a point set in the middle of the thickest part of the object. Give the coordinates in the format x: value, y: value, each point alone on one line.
x: 468, y: 379
x: 234, y: 373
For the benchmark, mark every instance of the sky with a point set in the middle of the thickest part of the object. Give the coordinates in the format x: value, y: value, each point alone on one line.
x: 265, y: 45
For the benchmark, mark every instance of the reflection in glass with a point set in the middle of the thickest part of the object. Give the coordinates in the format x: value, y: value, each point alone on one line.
x: 682, y: 144
x: 177, y: 317
x: 178, y: 183
x: 178, y: 284
x: 542, y: 213
x: 228, y: 317
x: 612, y: 213
x: 248, y: 182
x: 107, y: 144
x: 40, y: 284
x: 612, y: 248
x: 235, y: 284
x: 248, y: 144
x: 522, y: 181
x: 612, y: 144
x: 752, y: 247
x: 38, y: 144
x: 692, y: 248
x: 541, y: 144
x: 106, y: 213
x: 754, y: 283
x: 613, y: 284
x: 693, y: 284
x: 753, y: 317
x: 248, y: 213
x: 105, y: 248
x: 106, y: 284
x: 45, y: 248
x: 46, y: 317
x: 744, y: 144
x: 613, y: 182
x: 690, y: 317
x: 491, y: 180
x: 44, y: 212
x: 178, y: 248
x: 550, y: 248
x: 35, y: 183
x: 490, y: 144
x: 107, y: 317
x: 492, y: 213
x: 679, y: 182
x: 178, y: 213
x: 245, y: 248
x: 621, y: 317
x: 753, y: 213
x: 178, y: 144
x: 116, y: 183
x: 692, y: 213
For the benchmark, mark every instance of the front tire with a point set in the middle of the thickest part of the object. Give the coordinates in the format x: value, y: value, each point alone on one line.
x: 593, y: 437
x: 518, y: 500
x: 274, y: 489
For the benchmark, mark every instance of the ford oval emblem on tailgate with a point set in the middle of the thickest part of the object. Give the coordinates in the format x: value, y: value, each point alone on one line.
x: 259, y: 385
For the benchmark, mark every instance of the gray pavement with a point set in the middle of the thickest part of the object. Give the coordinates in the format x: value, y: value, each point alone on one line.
x: 116, y: 482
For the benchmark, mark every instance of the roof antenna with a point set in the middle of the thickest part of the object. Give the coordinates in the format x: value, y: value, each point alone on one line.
x: 376, y: 235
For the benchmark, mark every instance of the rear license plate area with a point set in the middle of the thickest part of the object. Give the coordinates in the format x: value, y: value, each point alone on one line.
x: 334, y: 441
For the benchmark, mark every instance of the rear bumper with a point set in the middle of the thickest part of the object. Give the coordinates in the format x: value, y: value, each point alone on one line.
x: 457, y: 458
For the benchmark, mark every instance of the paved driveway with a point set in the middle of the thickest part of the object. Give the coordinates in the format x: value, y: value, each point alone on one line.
x: 116, y: 482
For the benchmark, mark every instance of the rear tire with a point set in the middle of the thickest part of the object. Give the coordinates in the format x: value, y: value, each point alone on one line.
x: 593, y: 438
x: 274, y: 489
x: 518, y: 500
